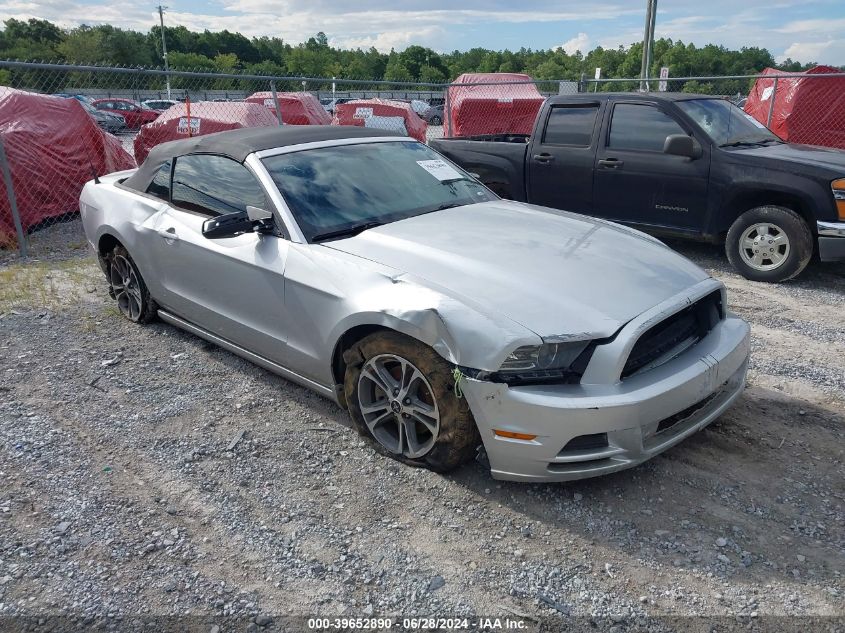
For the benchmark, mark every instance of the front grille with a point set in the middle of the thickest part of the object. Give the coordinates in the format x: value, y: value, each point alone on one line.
x: 674, y: 335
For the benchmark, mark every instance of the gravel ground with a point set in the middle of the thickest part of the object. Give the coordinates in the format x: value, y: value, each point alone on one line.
x: 146, y: 472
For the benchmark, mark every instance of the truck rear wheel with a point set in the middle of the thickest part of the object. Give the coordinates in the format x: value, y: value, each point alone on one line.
x: 769, y: 243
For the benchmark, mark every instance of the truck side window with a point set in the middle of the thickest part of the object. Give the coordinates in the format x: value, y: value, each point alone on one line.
x: 571, y: 125
x: 640, y: 127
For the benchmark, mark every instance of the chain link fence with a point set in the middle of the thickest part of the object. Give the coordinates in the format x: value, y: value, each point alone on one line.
x: 61, y: 125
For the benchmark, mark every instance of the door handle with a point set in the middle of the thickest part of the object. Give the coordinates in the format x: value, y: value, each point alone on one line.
x: 611, y: 163
x: 168, y: 233
x: 543, y: 158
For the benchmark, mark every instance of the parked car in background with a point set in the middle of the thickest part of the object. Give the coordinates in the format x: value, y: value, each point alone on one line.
x: 135, y: 114
x: 419, y: 106
x: 108, y: 121
x: 159, y: 105
x: 691, y: 166
x: 433, y: 115
x: 330, y: 104
x: 363, y: 266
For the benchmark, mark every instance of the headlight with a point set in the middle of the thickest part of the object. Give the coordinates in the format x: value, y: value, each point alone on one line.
x: 551, y: 362
x: 838, y: 187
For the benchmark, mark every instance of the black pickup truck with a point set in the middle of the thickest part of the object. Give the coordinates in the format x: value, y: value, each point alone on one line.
x: 690, y: 166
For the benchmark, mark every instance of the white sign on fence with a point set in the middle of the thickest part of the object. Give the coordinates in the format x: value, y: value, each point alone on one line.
x: 598, y: 73
x: 664, y: 75
x: 567, y: 88
x: 182, y: 126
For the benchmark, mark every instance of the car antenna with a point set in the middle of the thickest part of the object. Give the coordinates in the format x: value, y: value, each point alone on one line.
x: 94, y: 171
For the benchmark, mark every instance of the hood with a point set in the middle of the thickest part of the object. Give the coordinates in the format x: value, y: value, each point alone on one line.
x: 555, y: 273
x: 810, y: 155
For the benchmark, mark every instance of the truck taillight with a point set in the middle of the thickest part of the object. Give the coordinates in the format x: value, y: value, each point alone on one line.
x: 838, y: 187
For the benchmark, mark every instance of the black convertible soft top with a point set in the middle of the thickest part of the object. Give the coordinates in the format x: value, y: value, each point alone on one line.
x: 238, y: 144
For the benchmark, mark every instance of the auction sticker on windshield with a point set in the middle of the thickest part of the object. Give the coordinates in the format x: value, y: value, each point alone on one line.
x: 362, y: 113
x: 441, y: 170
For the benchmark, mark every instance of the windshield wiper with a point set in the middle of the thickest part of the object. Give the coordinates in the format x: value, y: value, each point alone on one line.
x: 346, y: 232
x: 762, y: 141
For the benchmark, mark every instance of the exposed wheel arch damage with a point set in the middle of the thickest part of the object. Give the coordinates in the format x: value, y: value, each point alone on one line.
x: 433, y: 319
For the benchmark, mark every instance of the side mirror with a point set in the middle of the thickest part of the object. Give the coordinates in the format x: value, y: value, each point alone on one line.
x: 227, y: 225
x: 232, y: 224
x: 682, y: 145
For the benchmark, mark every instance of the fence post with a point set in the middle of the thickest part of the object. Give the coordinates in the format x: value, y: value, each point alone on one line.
x: 13, y: 202
x: 772, y: 104
x: 448, y: 115
x: 276, y: 101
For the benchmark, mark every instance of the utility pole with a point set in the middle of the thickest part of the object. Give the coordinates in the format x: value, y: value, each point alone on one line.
x: 164, y: 48
x: 648, y: 43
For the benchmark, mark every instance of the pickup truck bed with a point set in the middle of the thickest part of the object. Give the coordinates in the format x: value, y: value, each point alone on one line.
x: 497, y: 159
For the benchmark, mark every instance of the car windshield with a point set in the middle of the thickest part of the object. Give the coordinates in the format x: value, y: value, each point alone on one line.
x: 726, y: 124
x: 337, y: 191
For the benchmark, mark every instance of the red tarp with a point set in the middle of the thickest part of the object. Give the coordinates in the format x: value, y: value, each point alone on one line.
x: 207, y: 117
x: 298, y: 108
x: 492, y: 109
x: 808, y: 109
x: 381, y: 114
x: 53, y: 147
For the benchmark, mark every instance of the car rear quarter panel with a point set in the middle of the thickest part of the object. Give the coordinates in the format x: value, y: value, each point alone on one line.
x: 107, y: 209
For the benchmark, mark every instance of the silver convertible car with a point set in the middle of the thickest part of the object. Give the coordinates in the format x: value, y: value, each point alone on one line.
x: 368, y: 268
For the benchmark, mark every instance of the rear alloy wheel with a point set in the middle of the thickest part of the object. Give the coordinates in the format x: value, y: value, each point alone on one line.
x: 769, y: 244
x: 435, y: 120
x: 128, y: 288
x: 401, y: 396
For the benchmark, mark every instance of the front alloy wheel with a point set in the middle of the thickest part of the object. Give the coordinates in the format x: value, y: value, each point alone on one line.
x: 398, y: 405
x: 401, y: 396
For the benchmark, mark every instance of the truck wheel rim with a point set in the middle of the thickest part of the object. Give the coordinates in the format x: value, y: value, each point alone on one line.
x: 126, y: 288
x: 398, y: 405
x: 764, y: 246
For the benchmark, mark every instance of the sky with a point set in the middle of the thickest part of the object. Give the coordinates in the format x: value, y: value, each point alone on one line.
x: 805, y: 30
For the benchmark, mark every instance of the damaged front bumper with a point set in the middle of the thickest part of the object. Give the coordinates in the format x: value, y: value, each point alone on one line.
x: 593, y: 429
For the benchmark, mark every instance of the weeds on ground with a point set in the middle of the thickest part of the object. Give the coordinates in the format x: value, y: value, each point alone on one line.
x: 46, y: 284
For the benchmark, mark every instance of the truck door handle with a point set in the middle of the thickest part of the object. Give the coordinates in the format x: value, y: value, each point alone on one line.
x: 611, y: 163
x: 168, y: 233
x: 543, y: 158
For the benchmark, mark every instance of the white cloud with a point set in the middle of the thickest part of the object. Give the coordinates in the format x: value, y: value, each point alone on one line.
x: 387, y: 40
x: 828, y: 52
x: 380, y: 23
x: 580, y: 42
